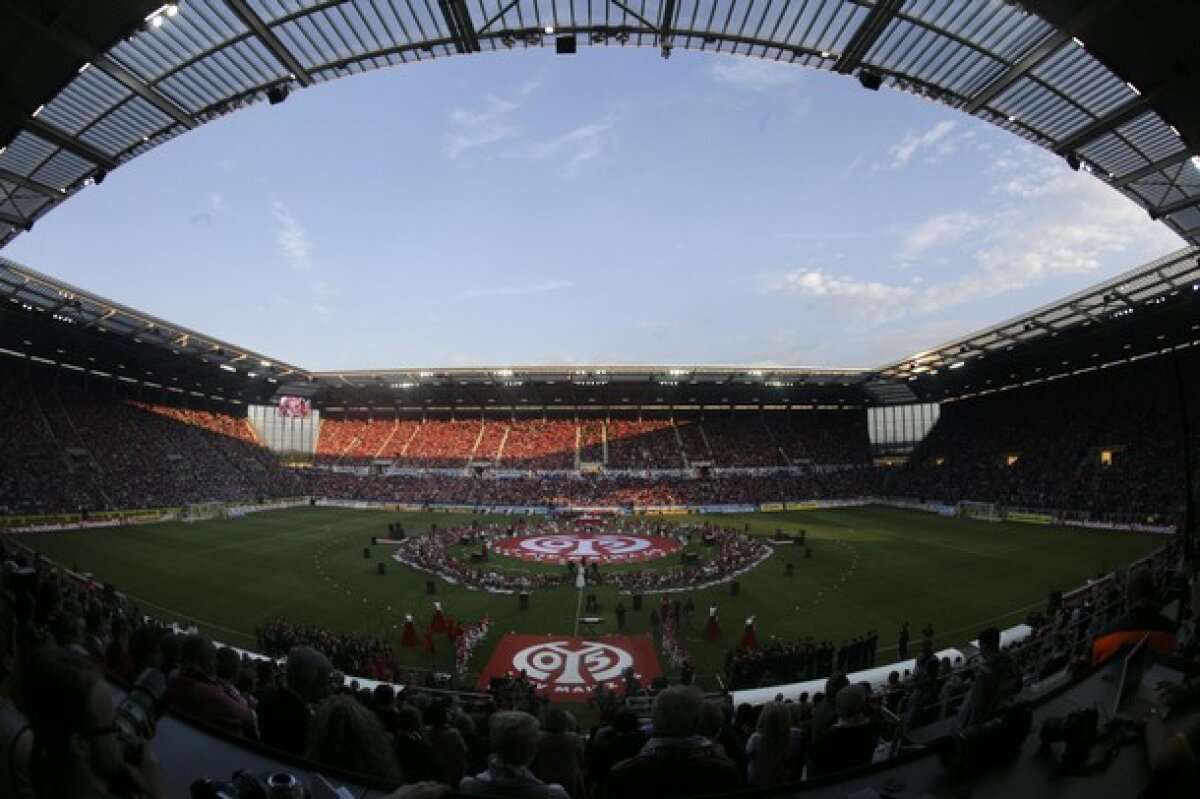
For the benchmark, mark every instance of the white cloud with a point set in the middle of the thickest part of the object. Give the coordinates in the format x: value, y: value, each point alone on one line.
x: 516, y: 291
x: 292, y: 237
x: 938, y: 230
x: 574, y: 150
x: 1051, y: 223
x: 931, y: 145
x: 754, y: 74
x: 472, y: 129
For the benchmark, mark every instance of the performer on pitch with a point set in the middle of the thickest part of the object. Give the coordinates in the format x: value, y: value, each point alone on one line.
x: 749, y: 636
x: 410, y: 637
x: 712, y: 630
x: 438, y: 624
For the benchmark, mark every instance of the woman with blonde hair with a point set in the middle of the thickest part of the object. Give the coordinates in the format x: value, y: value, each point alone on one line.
x: 775, y: 752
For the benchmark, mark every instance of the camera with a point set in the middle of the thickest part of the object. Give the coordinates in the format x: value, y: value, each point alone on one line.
x: 139, y: 710
x: 1077, y: 729
x: 247, y: 785
x: 987, y: 743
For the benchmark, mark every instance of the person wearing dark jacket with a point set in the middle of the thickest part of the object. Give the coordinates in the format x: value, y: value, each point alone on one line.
x: 677, y: 760
x: 997, y: 681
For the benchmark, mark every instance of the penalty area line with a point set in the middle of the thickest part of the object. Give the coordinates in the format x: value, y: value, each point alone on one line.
x: 186, y: 617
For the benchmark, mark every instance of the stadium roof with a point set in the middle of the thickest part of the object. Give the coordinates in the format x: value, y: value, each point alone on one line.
x: 1150, y: 311
x: 1110, y: 86
x: 52, y: 323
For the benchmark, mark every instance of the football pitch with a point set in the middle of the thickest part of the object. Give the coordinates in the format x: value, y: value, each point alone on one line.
x: 872, y: 568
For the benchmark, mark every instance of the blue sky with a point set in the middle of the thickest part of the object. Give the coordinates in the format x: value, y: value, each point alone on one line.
x: 610, y: 207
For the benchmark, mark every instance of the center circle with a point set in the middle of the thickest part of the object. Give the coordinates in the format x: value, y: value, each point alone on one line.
x: 602, y: 548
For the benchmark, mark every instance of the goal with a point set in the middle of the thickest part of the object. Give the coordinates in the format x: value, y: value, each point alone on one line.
x: 201, y: 511
x: 980, y: 511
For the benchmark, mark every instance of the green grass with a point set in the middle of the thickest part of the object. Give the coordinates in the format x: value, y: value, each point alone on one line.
x: 872, y: 568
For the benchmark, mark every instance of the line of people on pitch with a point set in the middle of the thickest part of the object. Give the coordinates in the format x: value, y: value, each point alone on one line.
x: 781, y: 662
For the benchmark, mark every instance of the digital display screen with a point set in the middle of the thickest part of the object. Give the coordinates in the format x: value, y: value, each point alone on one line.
x: 295, y: 407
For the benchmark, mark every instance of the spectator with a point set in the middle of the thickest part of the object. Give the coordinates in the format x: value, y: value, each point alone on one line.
x: 923, y: 696
x: 677, y: 760
x: 514, y: 737
x: 997, y: 681
x: 1173, y: 756
x: 448, y: 742
x: 621, y: 738
x: 775, y: 752
x: 825, y: 712
x: 851, y: 742
x: 79, y: 750
x: 195, y: 691
x: 560, y: 757
x: 347, y: 735
x: 1141, y: 620
x: 284, y: 713
x: 16, y: 739
x: 417, y: 758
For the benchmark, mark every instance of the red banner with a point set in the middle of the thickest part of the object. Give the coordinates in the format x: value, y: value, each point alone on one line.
x: 566, y: 668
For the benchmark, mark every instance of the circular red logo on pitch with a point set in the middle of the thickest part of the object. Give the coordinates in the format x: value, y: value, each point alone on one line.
x: 598, y: 548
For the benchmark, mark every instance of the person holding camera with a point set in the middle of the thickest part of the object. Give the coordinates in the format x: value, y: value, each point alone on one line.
x: 81, y: 751
x: 1174, y: 757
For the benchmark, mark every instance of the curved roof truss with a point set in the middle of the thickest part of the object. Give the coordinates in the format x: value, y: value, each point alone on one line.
x: 1039, y: 69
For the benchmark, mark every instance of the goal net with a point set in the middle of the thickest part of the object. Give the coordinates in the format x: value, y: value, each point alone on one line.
x: 980, y: 511
x: 200, y: 511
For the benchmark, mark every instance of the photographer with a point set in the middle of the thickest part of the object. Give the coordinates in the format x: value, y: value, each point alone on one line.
x: 80, y: 752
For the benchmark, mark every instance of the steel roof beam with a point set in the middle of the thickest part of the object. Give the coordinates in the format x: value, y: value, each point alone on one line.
x: 1038, y: 54
x: 269, y: 40
x: 1104, y: 124
x: 69, y: 41
x: 1150, y: 169
x: 16, y: 222
x: 665, y: 39
x: 31, y: 185
x: 58, y: 138
x: 458, y: 22
x: 1175, y: 207
x: 1017, y: 71
x: 867, y: 34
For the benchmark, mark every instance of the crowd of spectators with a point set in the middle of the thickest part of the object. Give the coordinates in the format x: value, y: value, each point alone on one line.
x: 601, y: 490
x: 1092, y: 443
x: 720, y: 440
x: 65, y: 452
x: 1050, y: 446
x: 362, y: 440
x: 442, y: 444
x: 643, y: 444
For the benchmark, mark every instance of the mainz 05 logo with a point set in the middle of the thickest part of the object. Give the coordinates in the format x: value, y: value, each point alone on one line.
x: 559, y: 663
x: 600, y: 548
x: 574, y: 546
